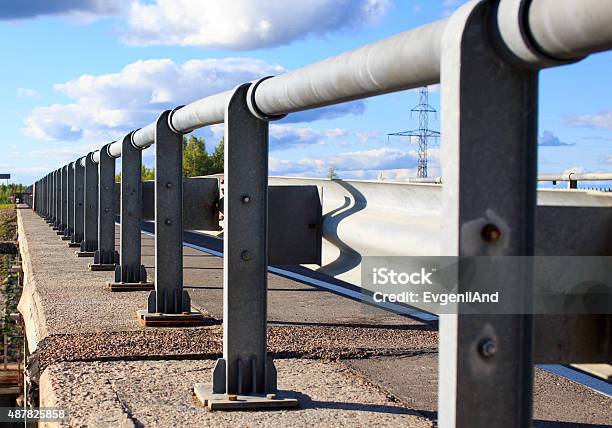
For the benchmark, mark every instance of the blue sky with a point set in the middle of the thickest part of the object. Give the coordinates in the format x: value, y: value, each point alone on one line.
x: 79, y: 73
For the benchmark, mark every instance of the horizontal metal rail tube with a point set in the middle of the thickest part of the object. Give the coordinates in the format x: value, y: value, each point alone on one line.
x: 572, y: 176
x: 569, y: 29
x: 403, y: 61
x: 563, y: 29
x: 576, y: 177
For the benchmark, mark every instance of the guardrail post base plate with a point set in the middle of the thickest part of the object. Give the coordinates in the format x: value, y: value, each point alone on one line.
x: 132, y: 282
x: 97, y: 266
x: 221, y: 401
x: 184, y: 319
x: 84, y: 253
x: 130, y: 286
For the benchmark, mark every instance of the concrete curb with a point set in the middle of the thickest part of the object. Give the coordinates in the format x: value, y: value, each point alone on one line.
x: 30, y: 305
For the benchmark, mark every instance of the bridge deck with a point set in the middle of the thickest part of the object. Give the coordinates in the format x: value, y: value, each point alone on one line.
x: 98, y: 362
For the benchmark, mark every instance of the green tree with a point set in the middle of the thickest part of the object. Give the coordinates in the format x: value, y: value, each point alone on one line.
x: 332, y: 174
x: 147, y: 173
x: 6, y: 191
x: 196, y: 160
x: 217, y: 158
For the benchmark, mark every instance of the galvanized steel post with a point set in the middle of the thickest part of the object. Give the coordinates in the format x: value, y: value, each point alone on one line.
x: 56, y: 197
x: 60, y: 200
x: 168, y: 304
x: 69, y: 202
x: 105, y: 257
x: 90, y: 231
x: 64, y: 202
x: 49, y: 198
x: 130, y: 274
x: 35, y: 196
x: 245, y: 368
x: 53, y: 197
x: 489, y: 159
x: 79, y: 204
x: 51, y: 192
x: 57, y: 177
x: 45, y: 198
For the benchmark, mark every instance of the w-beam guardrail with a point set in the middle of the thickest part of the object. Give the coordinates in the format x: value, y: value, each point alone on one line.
x: 486, y: 56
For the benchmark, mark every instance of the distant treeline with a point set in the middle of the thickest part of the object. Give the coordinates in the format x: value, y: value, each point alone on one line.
x: 6, y: 191
x: 196, y: 160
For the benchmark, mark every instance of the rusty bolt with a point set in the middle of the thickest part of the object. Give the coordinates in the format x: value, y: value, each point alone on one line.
x: 232, y: 397
x: 245, y: 255
x: 271, y: 396
x: 488, y: 348
x: 490, y: 233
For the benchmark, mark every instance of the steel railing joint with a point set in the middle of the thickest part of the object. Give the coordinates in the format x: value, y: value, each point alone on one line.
x: 252, y: 103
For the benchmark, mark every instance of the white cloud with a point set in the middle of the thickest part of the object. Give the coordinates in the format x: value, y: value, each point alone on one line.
x: 366, y: 160
x: 602, y: 119
x: 107, y: 106
x: 244, y: 24
x: 29, y: 164
x: 369, y: 136
x: 402, y: 174
x: 284, y: 137
x: 27, y: 93
x: 573, y: 170
x: 548, y: 139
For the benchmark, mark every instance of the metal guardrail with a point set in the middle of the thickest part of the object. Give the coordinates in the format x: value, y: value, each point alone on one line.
x: 488, y: 157
x: 572, y: 178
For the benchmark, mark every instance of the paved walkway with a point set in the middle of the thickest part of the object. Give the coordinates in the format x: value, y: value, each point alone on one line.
x: 350, y: 365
